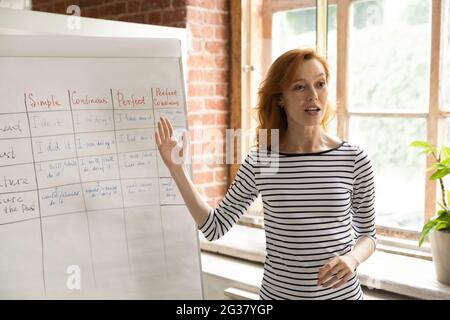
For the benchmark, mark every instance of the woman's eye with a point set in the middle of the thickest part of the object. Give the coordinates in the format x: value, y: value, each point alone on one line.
x: 299, y: 87
x: 322, y: 84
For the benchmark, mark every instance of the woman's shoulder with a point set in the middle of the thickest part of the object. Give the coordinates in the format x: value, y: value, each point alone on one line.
x: 342, y: 144
x: 259, y: 156
x: 352, y: 145
x: 359, y: 151
x: 256, y: 152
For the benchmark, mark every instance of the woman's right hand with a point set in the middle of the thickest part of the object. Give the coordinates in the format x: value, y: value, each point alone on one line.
x: 171, y: 150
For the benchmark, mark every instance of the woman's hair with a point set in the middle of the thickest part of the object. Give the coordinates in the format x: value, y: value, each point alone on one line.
x: 281, y: 74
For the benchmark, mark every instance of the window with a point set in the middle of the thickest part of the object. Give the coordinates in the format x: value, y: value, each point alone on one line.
x: 399, y: 173
x: 387, y: 60
x: 292, y: 29
x: 446, y: 83
x: 332, y: 59
x: 389, y: 55
x: 388, y: 72
x: 446, y: 93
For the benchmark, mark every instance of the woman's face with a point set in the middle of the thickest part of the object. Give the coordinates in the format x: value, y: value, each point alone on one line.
x: 305, y: 99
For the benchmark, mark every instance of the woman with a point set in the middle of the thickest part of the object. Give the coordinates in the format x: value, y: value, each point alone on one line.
x: 321, y: 190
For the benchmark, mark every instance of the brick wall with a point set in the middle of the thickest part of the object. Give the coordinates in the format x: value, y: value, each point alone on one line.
x: 208, y: 71
x: 208, y: 104
x: 162, y: 12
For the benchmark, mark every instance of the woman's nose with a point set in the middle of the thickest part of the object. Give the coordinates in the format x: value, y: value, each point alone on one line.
x: 312, y: 95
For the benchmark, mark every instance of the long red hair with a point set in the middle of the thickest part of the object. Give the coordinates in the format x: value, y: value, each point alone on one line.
x: 280, y: 75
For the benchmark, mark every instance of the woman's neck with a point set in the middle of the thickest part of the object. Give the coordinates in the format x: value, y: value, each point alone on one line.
x: 306, y: 139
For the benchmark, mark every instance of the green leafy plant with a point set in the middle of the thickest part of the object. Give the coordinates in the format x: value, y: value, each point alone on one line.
x: 442, y: 168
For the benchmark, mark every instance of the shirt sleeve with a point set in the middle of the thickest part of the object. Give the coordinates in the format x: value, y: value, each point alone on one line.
x: 240, y: 195
x: 363, y: 199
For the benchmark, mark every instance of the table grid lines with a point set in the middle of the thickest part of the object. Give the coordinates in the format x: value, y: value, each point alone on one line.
x: 62, y: 164
x: 39, y: 203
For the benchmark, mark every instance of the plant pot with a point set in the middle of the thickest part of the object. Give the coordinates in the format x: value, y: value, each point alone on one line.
x: 440, y: 247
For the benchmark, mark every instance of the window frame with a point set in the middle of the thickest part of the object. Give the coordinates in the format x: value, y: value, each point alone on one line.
x: 435, y: 116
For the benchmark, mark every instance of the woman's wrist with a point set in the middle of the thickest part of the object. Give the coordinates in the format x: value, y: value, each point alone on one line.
x: 177, y: 170
x: 354, y: 260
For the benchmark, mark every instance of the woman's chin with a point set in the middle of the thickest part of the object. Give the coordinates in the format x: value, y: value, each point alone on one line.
x: 308, y: 123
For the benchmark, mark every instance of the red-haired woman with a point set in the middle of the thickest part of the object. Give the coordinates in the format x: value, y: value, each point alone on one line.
x: 318, y: 199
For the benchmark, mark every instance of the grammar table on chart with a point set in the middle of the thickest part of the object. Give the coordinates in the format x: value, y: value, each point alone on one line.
x: 82, y: 186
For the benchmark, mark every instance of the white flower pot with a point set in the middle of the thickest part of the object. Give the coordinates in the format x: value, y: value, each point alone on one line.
x: 440, y: 247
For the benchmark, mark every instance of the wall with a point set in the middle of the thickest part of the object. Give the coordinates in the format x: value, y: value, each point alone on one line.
x: 208, y: 70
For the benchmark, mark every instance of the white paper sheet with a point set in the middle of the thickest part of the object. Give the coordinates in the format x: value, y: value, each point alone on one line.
x: 87, y: 208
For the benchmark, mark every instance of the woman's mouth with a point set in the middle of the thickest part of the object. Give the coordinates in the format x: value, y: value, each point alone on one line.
x: 312, y: 111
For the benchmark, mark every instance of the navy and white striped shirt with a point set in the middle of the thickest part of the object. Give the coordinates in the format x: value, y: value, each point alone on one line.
x: 315, y: 206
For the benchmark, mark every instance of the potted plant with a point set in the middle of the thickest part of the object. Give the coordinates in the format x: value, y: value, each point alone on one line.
x: 438, y: 228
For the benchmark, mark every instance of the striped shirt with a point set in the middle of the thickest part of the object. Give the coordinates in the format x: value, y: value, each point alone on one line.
x: 316, y: 205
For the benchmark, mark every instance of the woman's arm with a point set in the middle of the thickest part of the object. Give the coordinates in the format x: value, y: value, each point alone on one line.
x: 363, y: 249
x: 339, y: 270
x: 173, y: 154
x: 198, y: 207
x: 214, y: 223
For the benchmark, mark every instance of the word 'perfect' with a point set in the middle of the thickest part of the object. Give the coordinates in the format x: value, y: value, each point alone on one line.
x: 129, y: 101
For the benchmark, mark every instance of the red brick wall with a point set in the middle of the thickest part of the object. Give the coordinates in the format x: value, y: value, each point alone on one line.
x: 208, y: 70
x: 162, y: 12
x: 208, y: 104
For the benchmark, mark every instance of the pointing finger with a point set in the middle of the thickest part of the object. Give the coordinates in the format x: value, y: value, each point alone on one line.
x: 161, y: 131
x: 166, y: 128
x: 169, y: 125
x: 157, y: 139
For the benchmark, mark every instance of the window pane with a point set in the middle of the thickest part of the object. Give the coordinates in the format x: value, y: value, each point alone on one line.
x: 332, y: 48
x: 332, y: 61
x: 447, y: 132
x: 446, y: 83
x: 389, y: 54
x: 293, y: 29
x: 399, y: 172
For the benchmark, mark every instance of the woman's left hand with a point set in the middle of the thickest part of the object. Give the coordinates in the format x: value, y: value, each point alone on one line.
x: 337, y: 271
